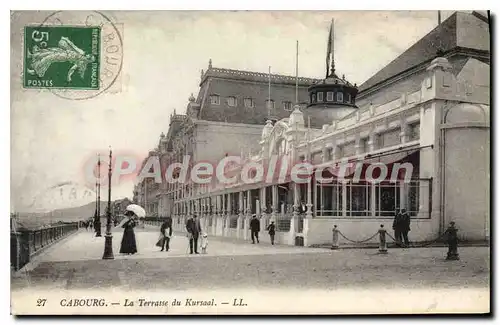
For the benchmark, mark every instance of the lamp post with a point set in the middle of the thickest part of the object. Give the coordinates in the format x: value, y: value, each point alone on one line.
x: 97, y: 221
x: 108, y: 243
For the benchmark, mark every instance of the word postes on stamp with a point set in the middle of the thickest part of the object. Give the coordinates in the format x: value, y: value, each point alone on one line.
x: 62, y: 57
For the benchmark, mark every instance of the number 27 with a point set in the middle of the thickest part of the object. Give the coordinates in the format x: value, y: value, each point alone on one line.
x: 41, y: 302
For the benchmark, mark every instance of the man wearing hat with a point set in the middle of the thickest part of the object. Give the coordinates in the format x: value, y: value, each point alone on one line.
x: 193, y: 228
x: 255, y: 228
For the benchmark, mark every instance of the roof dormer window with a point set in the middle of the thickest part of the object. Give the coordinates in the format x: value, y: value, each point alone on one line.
x: 232, y: 101
x: 249, y: 102
x: 215, y: 99
x: 270, y: 103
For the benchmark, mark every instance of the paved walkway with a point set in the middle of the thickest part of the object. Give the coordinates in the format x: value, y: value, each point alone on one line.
x: 74, y: 268
x: 84, y: 246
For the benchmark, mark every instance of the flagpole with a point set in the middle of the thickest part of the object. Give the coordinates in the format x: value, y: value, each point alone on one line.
x: 297, y: 74
x: 269, y: 94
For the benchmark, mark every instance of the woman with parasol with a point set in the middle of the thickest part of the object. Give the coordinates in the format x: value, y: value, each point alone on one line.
x: 128, y: 245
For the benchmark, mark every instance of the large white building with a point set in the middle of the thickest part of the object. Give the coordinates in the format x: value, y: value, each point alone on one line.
x: 430, y: 107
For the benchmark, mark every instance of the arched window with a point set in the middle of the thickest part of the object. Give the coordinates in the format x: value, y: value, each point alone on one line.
x: 231, y: 101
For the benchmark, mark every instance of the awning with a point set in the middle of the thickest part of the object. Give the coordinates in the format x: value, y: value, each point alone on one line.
x: 348, y: 169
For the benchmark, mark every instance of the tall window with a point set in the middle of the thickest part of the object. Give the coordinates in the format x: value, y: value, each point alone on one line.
x: 389, y: 139
x: 329, y: 96
x: 329, y: 199
x: 348, y: 97
x: 249, y: 102
x: 215, y: 99
x: 414, y: 131
x: 320, y: 97
x: 269, y: 103
x: 287, y: 106
x: 231, y: 101
x: 313, y: 98
x: 387, y: 197
x: 340, y: 97
x: 358, y: 199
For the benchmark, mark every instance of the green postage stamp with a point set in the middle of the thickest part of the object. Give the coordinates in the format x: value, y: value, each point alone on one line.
x: 61, y: 57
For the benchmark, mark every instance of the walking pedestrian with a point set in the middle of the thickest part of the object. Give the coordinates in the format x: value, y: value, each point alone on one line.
x: 272, y: 231
x: 405, y: 226
x: 128, y: 244
x: 193, y: 228
x: 255, y: 228
x: 166, y: 233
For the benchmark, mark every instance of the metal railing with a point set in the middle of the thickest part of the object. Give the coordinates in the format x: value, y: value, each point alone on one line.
x: 25, y: 243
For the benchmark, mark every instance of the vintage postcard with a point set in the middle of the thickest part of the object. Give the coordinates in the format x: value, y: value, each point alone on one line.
x: 250, y: 162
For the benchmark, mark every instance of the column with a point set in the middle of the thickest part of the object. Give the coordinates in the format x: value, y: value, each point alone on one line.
x: 263, y: 203
x: 274, y: 206
x: 248, y: 215
x: 240, y: 214
x: 228, y: 214
x: 308, y: 217
x: 295, y: 214
x: 405, y: 132
x: 220, y: 215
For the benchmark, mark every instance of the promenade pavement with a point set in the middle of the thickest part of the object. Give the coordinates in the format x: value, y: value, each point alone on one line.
x: 76, y: 263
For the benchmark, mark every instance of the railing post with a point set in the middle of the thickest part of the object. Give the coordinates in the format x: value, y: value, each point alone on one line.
x: 383, y: 243
x: 335, y: 241
x: 452, y: 233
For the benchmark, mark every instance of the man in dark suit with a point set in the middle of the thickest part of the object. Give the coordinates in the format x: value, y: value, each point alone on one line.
x: 255, y: 228
x: 405, y: 227
x: 193, y: 228
x: 166, y: 230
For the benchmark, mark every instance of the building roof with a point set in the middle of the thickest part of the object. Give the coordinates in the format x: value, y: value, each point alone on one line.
x: 245, y: 85
x: 254, y: 76
x: 460, y: 30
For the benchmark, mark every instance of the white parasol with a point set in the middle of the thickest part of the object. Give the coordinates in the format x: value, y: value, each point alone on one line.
x: 137, y: 210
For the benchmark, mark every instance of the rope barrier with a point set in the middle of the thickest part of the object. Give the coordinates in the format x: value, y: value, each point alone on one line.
x: 425, y: 245
x: 357, y: 242
x: 391, y: 237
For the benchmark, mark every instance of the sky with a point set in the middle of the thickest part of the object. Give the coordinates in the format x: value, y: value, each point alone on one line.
x: 163, y: 53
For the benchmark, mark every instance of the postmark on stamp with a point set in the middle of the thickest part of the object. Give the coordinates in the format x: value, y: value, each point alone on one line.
x: 77, y: 55
x: 62, y: 57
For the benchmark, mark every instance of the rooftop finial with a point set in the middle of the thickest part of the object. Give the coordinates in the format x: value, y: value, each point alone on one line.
x: 210, y: 63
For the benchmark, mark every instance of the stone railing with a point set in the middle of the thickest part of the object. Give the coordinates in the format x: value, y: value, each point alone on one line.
x: 25, y: 243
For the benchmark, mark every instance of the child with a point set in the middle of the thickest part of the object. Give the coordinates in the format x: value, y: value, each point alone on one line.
x: 204, y: 243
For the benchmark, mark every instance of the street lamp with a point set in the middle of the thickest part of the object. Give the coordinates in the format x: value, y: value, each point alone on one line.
x: 108, y: 243
x: 97, y: 221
